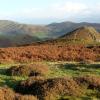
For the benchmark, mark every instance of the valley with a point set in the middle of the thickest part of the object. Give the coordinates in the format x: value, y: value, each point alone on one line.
x: 15, y: 34
x: 54, y: 64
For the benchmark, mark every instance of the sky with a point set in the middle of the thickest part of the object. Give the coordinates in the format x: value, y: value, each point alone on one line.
x: 49, y: 11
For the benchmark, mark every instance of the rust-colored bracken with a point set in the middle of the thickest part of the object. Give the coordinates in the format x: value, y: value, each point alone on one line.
x: 49, y: 52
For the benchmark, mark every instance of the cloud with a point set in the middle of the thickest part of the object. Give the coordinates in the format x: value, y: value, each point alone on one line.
x: 75, y: 11
x: 57, y: 10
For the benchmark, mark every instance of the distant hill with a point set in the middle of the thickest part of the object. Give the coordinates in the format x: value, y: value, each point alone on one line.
x: 10, y: 27
x: 83, y: 35
x: 59, y: 29
x: 14, y: 34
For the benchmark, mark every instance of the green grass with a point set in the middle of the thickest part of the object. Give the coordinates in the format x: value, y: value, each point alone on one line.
x: 6, y: 80
x: 72, y: 70
x: 58, y: 69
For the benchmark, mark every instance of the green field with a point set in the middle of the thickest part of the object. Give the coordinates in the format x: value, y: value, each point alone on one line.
x: 58, y: 69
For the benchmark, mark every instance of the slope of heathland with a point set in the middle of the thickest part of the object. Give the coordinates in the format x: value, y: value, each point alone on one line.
x: 83, y: 35
x: 45, y: 52
x: 13, y: 33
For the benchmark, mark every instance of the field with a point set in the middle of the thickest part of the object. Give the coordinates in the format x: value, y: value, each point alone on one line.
x: 59, y: 69
x: 50, y: 72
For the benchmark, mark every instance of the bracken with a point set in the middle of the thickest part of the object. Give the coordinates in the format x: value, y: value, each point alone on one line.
x: 49, y: 53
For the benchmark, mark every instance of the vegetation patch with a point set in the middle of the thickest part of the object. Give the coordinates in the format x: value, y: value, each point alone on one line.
x: 63, y: 80
x: 8, y: 94
x: 28, y: 70
x: 91, y: 81
x: 45, y: 89
x: 49, y: 52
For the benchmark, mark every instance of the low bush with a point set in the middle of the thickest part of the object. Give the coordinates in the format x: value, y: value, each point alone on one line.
x: 45, y: 89
x: 28, y: 70
x: 8, y: 94
x: 91, y: 81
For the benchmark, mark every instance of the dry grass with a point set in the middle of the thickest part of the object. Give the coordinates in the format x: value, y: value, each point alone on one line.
x: 6, y: 94
x: 9, y: 94
x: 90, y: 81
x: 25, y: 97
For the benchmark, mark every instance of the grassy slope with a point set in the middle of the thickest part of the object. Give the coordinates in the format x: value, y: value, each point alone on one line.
x: 58, y: 69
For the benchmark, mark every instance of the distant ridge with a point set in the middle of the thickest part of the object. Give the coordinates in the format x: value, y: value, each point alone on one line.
x: 81, y: 35
x: 59, y: 29
x: 85, y: 34
x: 15, y: 34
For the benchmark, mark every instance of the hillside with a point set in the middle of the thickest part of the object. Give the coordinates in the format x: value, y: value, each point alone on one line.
x: 59, y: 29
x: 82, y: 35
x: 15, y: 34
x: 10, y: 27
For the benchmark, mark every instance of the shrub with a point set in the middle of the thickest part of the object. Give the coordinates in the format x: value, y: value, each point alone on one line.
x: 91, y: 81
x: 45, y: 89
x: 28, y: 70
x: 8, y: 94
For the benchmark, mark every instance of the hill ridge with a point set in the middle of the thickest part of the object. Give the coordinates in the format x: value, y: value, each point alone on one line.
x: 83, y: 33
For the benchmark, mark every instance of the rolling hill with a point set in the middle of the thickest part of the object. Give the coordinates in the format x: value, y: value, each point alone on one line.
x: 59, y: 29
x: 14, y: 34
x: 85, y: 35
x: 82, y: 35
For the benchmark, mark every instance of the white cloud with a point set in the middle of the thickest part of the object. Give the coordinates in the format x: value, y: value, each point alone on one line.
x: 66, y: 10
x: 58, y: 10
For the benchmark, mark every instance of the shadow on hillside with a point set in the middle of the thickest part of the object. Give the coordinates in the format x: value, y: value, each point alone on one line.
x: 82, y: 67
x: 3, y: 71
x: 6, y: 80
x: 67, y: 66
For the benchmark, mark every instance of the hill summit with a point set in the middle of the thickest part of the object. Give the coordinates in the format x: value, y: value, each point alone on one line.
x: 85, y: 34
